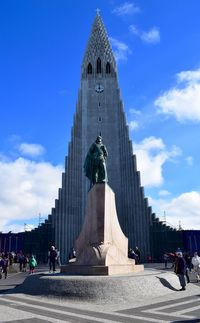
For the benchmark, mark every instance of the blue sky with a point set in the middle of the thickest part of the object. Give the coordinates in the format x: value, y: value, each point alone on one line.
x: 156, y: 44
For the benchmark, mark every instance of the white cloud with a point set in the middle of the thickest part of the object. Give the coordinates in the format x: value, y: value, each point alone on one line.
x: 28, y: 227
x: 184, y: 208
x: 151, y: 155
x: 29, y: 188
x: 151, y: 36
x: 121, y: 50
x: 32, y: 150
x: 183, y: 100
x: 135, y: 111
x: 134, y: 30
x: 164, y: 193
x: 189, y: 76
x: 133, y: 125
x: 189, y: 160
x: 127, y: 8
x: 15, y: 227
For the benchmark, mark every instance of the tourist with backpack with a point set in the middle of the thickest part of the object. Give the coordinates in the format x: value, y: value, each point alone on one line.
x: 32, y: 264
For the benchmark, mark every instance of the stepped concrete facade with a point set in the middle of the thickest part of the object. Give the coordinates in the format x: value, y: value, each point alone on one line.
x: 99, y: 110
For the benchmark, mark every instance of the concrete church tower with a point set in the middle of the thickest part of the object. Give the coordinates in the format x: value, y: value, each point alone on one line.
x: 99, y: 110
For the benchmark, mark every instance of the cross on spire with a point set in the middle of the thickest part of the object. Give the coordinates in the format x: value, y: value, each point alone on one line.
x: 98, y: 11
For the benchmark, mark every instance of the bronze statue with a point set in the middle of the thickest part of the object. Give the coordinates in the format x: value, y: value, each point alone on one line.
x: 95, y: 162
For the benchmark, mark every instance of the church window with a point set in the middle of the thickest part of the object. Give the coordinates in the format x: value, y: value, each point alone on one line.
x: 98, y: 66
x: 108, y: 68
x: 89, y: 69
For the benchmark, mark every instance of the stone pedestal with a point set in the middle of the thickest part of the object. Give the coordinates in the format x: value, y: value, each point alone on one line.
x: 101, y: 247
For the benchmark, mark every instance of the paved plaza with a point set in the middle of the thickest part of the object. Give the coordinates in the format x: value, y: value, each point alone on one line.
x: 173, y: 306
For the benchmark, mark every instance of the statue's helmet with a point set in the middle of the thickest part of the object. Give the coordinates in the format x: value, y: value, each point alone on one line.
x: 99, y: 139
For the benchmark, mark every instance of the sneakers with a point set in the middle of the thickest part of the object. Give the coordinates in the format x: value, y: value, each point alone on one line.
x: 183, y: 288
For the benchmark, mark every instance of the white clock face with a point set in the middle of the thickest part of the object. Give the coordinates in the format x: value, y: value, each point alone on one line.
x: 99, y: 88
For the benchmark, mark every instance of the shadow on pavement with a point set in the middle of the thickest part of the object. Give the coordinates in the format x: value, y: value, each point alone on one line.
x: 165, y: 283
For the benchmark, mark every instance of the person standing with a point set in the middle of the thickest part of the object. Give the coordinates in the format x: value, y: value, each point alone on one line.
x: 165, y: 257
x: 188, y: 266
x: 196, y: 265
x: 180, y: 269
x: 32, y: 264
x: 4, y: 265
x: 20, y: 260
x: 52, y: 259
x: 25, y: 262
x: 138, y: 255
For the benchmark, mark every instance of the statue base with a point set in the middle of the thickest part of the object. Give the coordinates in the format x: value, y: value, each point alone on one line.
x: 101, y: 247
x: 100, y: 270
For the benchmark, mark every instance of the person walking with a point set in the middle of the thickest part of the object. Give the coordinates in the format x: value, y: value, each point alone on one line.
x: 180, y: 269
x: 196, y: 265
x: 32, y: 264
x: 52, y: 259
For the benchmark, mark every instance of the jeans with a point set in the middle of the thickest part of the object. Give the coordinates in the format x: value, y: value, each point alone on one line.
x: 52, y: 263
x: 182, y: 280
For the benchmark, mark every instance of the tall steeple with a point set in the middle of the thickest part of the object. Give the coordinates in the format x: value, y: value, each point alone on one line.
x: 98, y: 46
x: 99, y: 109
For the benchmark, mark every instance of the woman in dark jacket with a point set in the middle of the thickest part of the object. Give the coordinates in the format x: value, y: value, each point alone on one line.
x: 180, y: 269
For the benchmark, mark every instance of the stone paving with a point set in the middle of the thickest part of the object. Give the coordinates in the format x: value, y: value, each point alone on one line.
x: 174, y: 306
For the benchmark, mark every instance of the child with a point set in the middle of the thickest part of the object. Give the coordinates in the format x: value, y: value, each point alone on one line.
x: 32, y: 264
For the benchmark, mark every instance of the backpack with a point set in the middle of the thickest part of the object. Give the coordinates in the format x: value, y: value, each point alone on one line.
x: 53, y: 255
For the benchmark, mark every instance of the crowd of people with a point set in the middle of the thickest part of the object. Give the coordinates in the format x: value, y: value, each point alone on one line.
x: 182, y: 263
x: 8, y: 259
x: 26, y: 262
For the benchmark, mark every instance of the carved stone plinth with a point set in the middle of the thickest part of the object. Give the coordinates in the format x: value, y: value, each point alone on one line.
x: 101, y: 247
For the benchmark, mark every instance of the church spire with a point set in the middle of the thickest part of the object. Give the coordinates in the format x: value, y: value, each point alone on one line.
x: 98, y: 46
